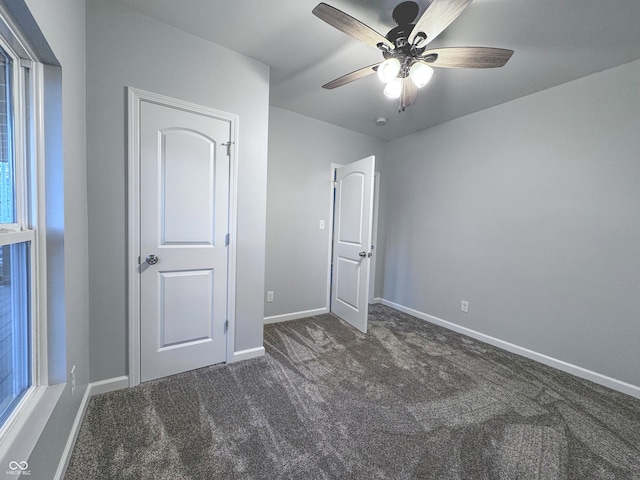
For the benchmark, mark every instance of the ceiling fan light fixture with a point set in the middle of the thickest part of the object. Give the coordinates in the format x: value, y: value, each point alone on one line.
x: 420, y: 74
x: 393, y: 89
x: 389, y: 69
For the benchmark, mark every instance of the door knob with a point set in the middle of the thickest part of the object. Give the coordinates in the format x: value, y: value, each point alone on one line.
x: 362, y: 254
x: 151, y: 259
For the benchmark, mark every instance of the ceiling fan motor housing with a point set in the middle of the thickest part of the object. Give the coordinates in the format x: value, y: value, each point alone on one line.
x: 399, y: 36
x: 404, y: 15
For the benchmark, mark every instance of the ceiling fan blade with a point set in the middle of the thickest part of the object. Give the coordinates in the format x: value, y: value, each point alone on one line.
x: 349, y: 25
x: 350, y: 77
x: 468, y: 57
x: 437, y: 17
x: 409, y: 93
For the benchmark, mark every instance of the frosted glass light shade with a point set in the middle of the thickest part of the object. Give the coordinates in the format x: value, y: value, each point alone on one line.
x: 389, y: 69
x: 393, y: 88
x: 420, y: 74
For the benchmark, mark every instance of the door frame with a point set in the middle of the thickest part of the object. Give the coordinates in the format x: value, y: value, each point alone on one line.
x: 374, y: 233
x: 134, y: 98
x: 374, y: 236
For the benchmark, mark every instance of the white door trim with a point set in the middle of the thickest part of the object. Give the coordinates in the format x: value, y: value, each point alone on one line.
x: 135, y: 96
x: 374, y: 235
x: 330, y: 249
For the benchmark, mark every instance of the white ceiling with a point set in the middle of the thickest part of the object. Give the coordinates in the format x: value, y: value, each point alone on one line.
x: 555, y: 41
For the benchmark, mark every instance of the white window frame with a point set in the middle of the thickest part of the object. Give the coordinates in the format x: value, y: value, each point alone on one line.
x: 21, y: 430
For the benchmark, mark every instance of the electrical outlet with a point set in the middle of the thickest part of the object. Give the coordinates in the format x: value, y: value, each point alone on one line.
x: 270, y: 296
x: 72, y: 379
x: 464, y: 306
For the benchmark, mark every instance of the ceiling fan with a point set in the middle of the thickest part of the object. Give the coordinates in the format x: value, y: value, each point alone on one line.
x: 407, y: 62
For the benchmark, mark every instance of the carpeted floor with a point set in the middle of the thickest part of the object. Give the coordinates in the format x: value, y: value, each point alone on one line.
x: 407, y: 400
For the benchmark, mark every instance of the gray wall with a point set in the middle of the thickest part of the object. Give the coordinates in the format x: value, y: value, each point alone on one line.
x: 125, y: 48
x: 301, y: 151
x: 529, y: 211
x: 63, y: 24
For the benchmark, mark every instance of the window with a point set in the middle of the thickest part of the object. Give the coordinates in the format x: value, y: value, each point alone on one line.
x: 17, y: 236
x: 32, y: 308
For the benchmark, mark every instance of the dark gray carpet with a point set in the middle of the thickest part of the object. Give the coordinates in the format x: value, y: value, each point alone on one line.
x: 407, y: 400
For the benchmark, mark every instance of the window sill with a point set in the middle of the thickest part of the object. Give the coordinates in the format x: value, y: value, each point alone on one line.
x: 23, y: 430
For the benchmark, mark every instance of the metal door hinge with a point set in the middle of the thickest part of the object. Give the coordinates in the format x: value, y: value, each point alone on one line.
x: 228, y: 145
x: 226, y: 326
x: 139, y: 261
x: 226, y: 240
x: 335, y: 183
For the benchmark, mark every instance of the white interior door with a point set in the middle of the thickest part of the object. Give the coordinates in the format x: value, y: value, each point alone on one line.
x: 184, y: 216
x: 352, y: 241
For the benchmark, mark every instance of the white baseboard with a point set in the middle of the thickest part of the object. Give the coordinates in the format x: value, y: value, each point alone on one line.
x: 576, y: 370
x: 94, y: 388
x: 109, y: 385
x: 295, y: 315
x: 248, y: 354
